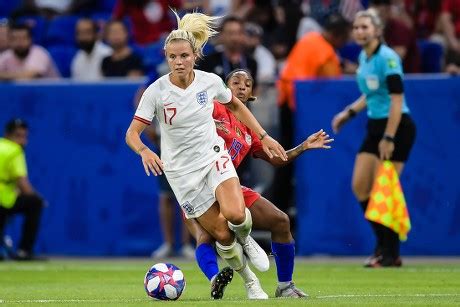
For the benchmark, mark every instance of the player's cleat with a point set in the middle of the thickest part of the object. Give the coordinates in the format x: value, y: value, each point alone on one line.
x: 382, y: 262
x: 255, y: 291
x: 256, y: 254
x: 165, y: 250
x: 371, y: 260
x: 290, y: 291
x: 220, y: 281
x: 187, y: 251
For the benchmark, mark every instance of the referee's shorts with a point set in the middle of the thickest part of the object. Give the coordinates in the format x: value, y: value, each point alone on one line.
x: 404, y: 138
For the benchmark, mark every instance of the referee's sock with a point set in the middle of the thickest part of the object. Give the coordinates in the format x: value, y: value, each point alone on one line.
x: 379, y: 230
x: 207, y: 260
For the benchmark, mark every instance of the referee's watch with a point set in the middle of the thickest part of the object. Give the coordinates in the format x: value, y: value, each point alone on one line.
x: 389, y: 138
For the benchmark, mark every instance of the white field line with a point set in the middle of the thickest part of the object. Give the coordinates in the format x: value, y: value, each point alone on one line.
x: 38, y: 301
x: 388, y: 295
x: 41, y: 301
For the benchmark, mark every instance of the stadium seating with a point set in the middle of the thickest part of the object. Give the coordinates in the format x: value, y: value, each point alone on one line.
x: 8, y: 6
x: 61, y: 31
x: 153, y: 55
x: 106, y: 5
x: 62, y: 56
x: 431, y: 55
x: 350, y: 52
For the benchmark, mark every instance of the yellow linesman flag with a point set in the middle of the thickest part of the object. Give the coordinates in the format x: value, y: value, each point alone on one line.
x: 387, y: 205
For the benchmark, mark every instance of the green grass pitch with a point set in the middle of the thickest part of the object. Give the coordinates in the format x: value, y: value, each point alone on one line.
x: 329, y: 282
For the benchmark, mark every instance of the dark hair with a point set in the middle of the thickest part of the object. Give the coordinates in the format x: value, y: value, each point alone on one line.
x: 90, y: 20
x: 15, y: 124
x: 380, y: 2
x: 21, y: 27
x: 115, y: 21
x: 233, y: 72
x: 337, y: 25
x: 229, y: 19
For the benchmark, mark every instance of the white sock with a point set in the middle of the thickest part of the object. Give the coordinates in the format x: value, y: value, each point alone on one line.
x: 283, y: 284
x: 242, y: 230
x: 247, y: 275
x: 233, y: 254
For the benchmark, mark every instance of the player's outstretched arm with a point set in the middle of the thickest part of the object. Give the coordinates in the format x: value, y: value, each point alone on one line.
x: 150, y: 160
x: 270, y: 146
x: 318, y: 140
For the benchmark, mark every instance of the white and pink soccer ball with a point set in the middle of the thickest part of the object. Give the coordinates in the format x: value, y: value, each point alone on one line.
x: 164, y: 281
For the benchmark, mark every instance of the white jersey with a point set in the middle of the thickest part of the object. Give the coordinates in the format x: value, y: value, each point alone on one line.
x: 189, y: 140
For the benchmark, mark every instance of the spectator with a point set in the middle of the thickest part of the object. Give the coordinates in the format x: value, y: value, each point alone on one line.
x: 52, y: 8
x: 3, y: 35
x: 450, y: 25
x: 313, y: 56
x: 123, y: 62
x: 17, y: 195
x: 24, y: 60
x: 316, y: 13
x: 87, y: 63
x: 266, y: 63
x: 398, y: 36
x: 150, y: 19
x: 231, y: 53
x: 424, y: 15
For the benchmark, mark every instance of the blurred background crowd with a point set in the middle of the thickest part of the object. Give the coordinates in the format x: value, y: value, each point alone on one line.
x: 90, y: 40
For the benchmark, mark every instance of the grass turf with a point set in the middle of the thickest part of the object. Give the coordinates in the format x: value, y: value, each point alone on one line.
x: 329, y: 283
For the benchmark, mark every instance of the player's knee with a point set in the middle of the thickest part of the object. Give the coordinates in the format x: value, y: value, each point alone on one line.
x: 236, y: 217
x: 359, y: 190
x: 281, y: 223
x: 223, y: 236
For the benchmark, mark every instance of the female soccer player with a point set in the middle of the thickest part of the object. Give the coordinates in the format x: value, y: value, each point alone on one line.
x: 240, y: 141
x: 194, y: 159
x: 390, y: 129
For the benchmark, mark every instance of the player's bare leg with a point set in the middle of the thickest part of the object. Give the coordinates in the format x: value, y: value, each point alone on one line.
x: 266, y: 216
x: 232, y: 207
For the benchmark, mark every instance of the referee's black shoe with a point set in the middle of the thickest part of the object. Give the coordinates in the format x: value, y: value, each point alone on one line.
x: 220, y: 281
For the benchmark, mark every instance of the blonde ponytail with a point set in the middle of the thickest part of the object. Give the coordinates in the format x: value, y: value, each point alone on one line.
x: 196, y: 28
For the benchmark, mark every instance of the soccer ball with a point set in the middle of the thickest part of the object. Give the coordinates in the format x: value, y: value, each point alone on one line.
x: 164, y: 281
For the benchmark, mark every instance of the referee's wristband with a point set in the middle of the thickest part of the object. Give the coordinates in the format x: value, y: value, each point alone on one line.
x: 388, y: 138
x: 351, y: 113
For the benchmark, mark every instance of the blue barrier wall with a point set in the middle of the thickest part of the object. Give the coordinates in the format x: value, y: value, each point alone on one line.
x: 100, y: 200
x: 330, y: 220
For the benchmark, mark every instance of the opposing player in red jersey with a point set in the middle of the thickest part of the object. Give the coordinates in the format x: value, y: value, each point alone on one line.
x: 240, y: 141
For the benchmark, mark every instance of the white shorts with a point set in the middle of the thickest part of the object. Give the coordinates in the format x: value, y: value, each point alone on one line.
x: 196, y: 191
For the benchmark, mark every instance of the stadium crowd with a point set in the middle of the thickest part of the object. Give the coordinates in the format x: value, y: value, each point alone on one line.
x: 91, y: 40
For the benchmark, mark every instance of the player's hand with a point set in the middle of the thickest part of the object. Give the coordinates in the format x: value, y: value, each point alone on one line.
x: 151, y: 162
x: 273, y: 149
x: 317, y: 140
x: 386, y: 149
x: 339, y: 120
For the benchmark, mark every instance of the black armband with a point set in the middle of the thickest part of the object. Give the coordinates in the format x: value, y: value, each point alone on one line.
x: 395, y: 84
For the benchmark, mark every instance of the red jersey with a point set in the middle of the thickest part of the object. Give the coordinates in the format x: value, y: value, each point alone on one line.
x: 239, y: 139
